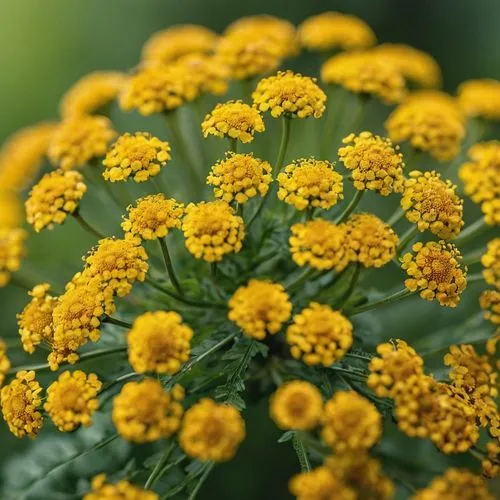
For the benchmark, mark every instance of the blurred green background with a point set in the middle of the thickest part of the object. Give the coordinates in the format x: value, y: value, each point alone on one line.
x: 47, y: 45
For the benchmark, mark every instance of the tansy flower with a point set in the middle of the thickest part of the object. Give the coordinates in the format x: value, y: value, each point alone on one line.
x: 4, y: 362
x: 212, y: 229
x: 211, y: 431
x: 260, y: 308
x: 431, y: 121
x: 370, y: 241
x: 158, y: 88
x: 416, y: 66
x: 432, y: 204
x: 118, y: 491
x: 72, y: 400
x: 11, y: 252
x: 91, y: 93
x: 53, y: 198
x: 365, y: 73
x: 434, y: 271
x: 233, y: 119
x: 35, y: 321
x: 11, y: 209
x: 310, y: 183
x: 159, y: 342
x: 489, y: 300
x: 296, y: 405
x: 79, y: 139
x: 21, y: 401
x: 139, y: 156
x: 320, y: 244
x: 240, y: 177
x: 144, y: 412
x: 290, y: 94
x: 21, y: 155
x: 153, y: 217
x: 332, y: 30
x: 375, y: 163
x: 350, y: 422
x: 319, y: 483
x: 490, y: 465
x: 480, y: 98
x: 319, y: 335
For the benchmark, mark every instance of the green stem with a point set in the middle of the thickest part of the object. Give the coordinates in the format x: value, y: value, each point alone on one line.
x: 473, y: 258
x: 301, y: 451
x: 86, y: 226
x: 359, y: 115
x: 351, y: 207
x: 304, y: 276
x: 471, y: 232
x: 352, y: 286
x: 333, y: 118
x: 475, y: 277
x: 202, y: 479
x: 154, y: 476
x: 406, y: 239
x: 169, y: 266
x: 21, y: 283
x: 117, y: 322
x: 351, y: 373
x: 213, y: 269
x: 391, y: 299
x: 396, y: 217
x: 233, y: 144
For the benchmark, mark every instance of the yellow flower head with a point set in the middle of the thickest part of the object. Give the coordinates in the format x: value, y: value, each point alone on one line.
x: 72, y: 400
x: 22, y: 154
x: 480, y: 98
x: 240, y: 177
x: 139, y: 156
x: 153, y: 217
x: 156, y: 88
x: 310, y: 183
x: 350, y: 422
x: 144, y: 412
x: 260, y: 308
x: 432, y: 204
x: 290, y: 94
x: 370, y: 241
x: 431, y: 121
x: 490, y: 465
x: 11, y: 209
x: 233, y: 119
x: 79, y: 139
x: 159, y: 342
x: 320, y: 244
x: 4, y: 362
x: 212, y: 229
x: 56, y: 195
x: 415, y: 65
x: 118, y: 491
x: 35, y: 321
x: 91, y: 93
x: 21, y: 402
x: 456, y: 483
x: 173, y: 43
x: 12, y: 252
x: 365, y: 73
x: 319, y: 335
x: 211, y: 431
x: 434, y: 270
x: 296, y: 405
x: 376, y: 164
x: 332, y: 30
x: 489, y: 300
x: 397, y: 363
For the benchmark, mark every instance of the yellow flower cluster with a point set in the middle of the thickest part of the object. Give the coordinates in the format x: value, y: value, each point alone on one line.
x: 296, y: 405
x: 319, y: 335
x: 11, y: 252
x: 79, y: 139
x: 480, y: 98
x: 332, y: 30
x: 144, y: 412
x: 260, y: 308
x: 140, y: 155
x: 240, y: 177
x: 207, y: 72
x: 11, y: 209
x: 375, y: 163
x: 122, y: 490
x: 21, y: 402
x: 4, y: 362
x: 350, y: 422
x: 435, y: 272
x: 212, y: 229
x: 211, y: 431
x: 233, y: 119
x: 56, y: 195
x: 153, y: 217
x: 432, y: 203
x: 489, y: 300
x: 91, y: 93
x: 71, y: 399
x: 365, y: 73
x: 159, y: 342
x: 289, y: 94
x: 490, y: 465
x: 320, y: 244
x: 431, y: 121
x: 370, y: 241
x: 310, y: 183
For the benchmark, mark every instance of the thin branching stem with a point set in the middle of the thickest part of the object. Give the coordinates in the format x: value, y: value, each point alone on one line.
x: 117, y: 322
x: 169, y: 266
x: 472, y: 278
x: 396, y: 217
x: 406, y: 239
x: 391, y: 299
x: 155, y: 474
x: 471, y: 232
x: 350, y: 207
x: 202, y: 479
x: 86, y: 226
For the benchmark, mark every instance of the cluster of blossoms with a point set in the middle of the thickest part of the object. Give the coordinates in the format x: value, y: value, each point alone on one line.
x: 273, y: 270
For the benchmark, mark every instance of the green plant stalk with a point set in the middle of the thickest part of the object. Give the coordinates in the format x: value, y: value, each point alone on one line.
x: 169, y: 266
x: 350, y: 207
x: 117, y: 322
x: 155, y: 474
x: 233, y: 144
x: 471, y: 232
x: 406, y: 239
x: 202, y: 479
x: 86, y: 226
x: 475, y: 277
x: 391, y: 299
x: 396, y: 217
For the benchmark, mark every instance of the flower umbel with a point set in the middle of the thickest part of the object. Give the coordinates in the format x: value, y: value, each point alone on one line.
x: 12, y: 253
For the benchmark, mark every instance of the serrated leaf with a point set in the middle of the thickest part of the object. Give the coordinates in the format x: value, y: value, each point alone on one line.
x: 286, y: 436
